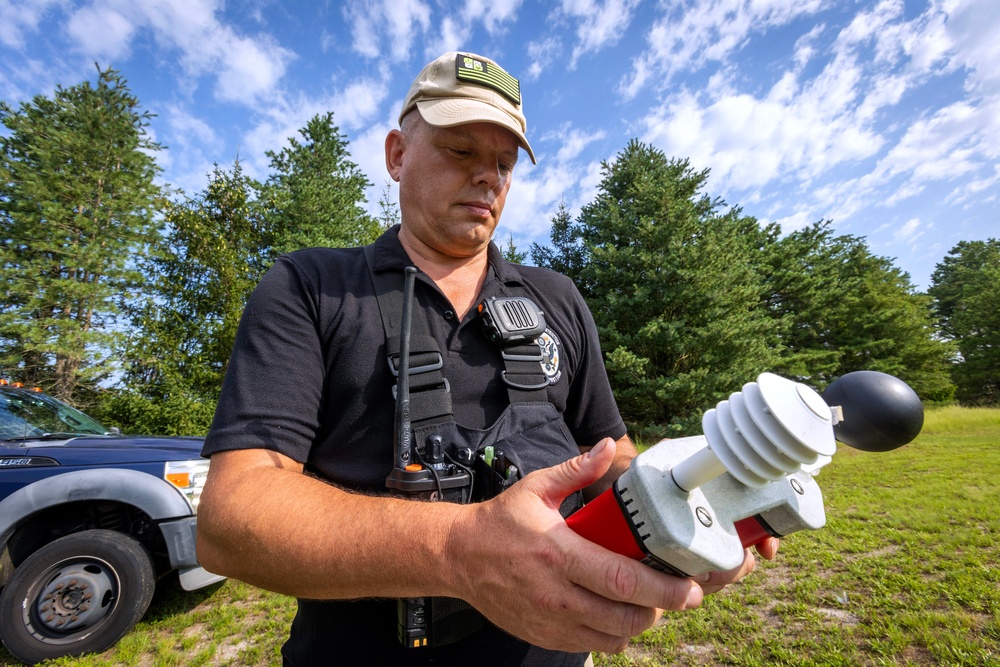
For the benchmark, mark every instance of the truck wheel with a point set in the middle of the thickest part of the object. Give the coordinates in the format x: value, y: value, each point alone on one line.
x: 78, y: 594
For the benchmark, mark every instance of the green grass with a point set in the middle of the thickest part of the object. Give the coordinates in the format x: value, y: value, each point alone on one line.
x: 226, y: 624
x: 906, y: 572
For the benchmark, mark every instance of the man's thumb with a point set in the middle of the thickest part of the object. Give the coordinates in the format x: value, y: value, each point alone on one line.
x: 578, y: 472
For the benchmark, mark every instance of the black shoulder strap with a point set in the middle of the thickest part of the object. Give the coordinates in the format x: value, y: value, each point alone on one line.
x: 430, y: 394
x: 522, y: 375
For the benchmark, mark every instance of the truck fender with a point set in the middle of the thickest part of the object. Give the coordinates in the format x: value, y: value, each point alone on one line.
x: 156, y: 497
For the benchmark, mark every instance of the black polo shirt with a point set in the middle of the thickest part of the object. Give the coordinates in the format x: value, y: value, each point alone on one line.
x: 308, y: 376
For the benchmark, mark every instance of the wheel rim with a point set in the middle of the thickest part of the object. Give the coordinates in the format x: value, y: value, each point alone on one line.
x: 71, y: 599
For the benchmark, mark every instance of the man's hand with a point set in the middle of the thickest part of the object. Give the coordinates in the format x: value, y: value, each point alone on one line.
x: 518, y: 562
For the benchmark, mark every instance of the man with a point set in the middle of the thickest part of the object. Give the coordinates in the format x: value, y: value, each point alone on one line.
x: 302, y: 442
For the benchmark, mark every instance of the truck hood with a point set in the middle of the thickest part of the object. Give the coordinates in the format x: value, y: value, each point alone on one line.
x: 108, y: 450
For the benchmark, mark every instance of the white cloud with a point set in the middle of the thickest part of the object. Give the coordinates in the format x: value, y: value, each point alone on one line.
x: 699, y: 33
x: 248, y: 68
x: 748, y: 142
x: 368, y: 152
x: 100, y: 32
x: 354, y: 106
x: 971, y: 28
x: 244, y: 68
x: 572, y: 142
x: 908, y: 231
x: 453, y: 35
x: 979, y: 190
x: 458, y: 25
x: 835, y: 135
x: 18, y: 17
x: 599, y: 24
x: 380, y: 27
x: 190, y: 132
x: 942, y: 147
x: 534, y: 197
x: 358, y: 102
x: 541, y: 54
x: 805, y: 46
x: 800, y: 219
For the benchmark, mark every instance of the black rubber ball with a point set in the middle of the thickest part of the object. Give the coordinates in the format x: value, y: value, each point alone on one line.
x: 881, y: 412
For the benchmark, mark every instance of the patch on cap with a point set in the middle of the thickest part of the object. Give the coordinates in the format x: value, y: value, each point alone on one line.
x: 481, y: 73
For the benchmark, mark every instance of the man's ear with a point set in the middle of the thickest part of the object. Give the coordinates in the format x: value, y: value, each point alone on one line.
x: 395, y: 143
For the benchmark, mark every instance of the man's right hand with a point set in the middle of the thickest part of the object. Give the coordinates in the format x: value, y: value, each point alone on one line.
x: 520, y: 564
x: 513, y: 557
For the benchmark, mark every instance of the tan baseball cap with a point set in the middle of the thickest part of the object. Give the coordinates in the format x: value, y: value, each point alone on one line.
x: 460, y: 88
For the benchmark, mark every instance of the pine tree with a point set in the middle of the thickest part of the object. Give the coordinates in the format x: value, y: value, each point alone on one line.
x: 668, y: 275
x: 842, y: 309
x: 216, y: 251
x: 317, y: 192
x: 77, y: 204
x: 966, y: 290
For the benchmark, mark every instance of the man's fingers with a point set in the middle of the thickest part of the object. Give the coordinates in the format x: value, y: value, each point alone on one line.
x: 622, y: 579
x: 555, y: 483
x: 768, y: 549
x: 713, y: 582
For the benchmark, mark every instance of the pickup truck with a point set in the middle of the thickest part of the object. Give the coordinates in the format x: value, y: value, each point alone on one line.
x: 90, y: 520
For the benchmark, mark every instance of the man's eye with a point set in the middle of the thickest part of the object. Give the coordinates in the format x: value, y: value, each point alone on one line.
x: 460, y: 152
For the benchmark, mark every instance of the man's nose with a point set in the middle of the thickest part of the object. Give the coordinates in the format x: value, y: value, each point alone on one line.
x: 487, y: 172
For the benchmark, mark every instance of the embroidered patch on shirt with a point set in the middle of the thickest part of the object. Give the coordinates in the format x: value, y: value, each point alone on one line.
x: 549, y: 344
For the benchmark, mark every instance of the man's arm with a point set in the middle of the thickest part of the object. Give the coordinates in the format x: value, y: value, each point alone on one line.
x: 513, y: 557
x: 263, y: 521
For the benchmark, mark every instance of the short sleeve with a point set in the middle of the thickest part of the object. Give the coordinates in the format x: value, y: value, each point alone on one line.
x: 271, y: 394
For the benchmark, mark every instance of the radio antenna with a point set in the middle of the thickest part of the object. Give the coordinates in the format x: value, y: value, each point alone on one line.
x: 402, y: 440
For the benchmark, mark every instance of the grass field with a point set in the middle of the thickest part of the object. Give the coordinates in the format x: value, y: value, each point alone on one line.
x: 906, y: 572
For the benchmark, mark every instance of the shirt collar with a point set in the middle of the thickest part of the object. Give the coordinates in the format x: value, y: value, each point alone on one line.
x: 390, y: 256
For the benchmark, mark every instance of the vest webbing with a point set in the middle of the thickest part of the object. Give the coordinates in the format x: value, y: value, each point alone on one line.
x: 430, y: 394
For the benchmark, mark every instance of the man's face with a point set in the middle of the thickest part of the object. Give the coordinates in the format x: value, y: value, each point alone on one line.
x: 453, y: 182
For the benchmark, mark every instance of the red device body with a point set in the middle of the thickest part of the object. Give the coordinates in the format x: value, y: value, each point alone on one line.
x: 604, y: 521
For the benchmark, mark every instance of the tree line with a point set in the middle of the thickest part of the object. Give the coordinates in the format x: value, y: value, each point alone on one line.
x: 123, y: 295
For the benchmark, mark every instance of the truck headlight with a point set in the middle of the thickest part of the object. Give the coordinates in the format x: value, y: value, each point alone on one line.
x: 189, y: 477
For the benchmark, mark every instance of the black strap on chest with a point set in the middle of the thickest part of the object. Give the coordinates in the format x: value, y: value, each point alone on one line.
x: 430, y: 397
x: 430, y: 393
x: 514, y: 325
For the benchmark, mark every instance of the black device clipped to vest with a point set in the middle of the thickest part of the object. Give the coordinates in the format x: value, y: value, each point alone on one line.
x: 511, y: 320
x: 421, y: 472
x: 514, y: 324
x: 419, y: 469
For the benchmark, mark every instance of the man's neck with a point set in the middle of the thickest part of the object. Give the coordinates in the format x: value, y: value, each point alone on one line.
x: 460, y: 279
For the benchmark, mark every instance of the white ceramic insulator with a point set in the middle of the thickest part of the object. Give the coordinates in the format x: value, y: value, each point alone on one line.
x: 769, y: 430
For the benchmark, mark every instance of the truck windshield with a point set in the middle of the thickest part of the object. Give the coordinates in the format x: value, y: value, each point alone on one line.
x: 24, y: 413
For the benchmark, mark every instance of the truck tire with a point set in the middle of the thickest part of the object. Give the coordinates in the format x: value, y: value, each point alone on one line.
x: 78, y: 594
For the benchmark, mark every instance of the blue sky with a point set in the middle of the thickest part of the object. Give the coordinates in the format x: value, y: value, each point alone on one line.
x: 882, y: 116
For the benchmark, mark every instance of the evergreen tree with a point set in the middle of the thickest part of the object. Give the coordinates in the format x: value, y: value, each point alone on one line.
x: 77, y: 203
x: 216, y: 250
x: 389, y: 214
x: 966, y: 290
x: 317, y: 192
x: 841, y: 309
x: 670, y: 279
x: 511, y: 253
x: 566, y: 255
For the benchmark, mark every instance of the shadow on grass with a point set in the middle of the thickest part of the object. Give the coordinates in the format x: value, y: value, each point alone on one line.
x: 170, y: 599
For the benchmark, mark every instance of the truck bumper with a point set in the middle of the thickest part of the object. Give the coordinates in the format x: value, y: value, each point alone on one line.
x: 179, y: 535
